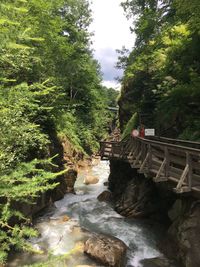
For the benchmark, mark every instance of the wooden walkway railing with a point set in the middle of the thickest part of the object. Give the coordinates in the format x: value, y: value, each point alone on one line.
x: 163, y: 159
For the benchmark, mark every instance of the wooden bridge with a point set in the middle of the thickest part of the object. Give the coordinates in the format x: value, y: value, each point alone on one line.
x: 163, y: 159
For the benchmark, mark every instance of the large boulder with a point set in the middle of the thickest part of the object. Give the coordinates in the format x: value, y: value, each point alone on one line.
x: 91, y: 180
x: 107, y: 250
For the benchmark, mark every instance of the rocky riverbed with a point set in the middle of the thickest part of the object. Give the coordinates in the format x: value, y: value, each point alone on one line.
x: 68, y: 229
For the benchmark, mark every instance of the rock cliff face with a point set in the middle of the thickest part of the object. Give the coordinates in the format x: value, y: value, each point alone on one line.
x: 139, y: 197
x: 184, y: 231
x: 135, y: 195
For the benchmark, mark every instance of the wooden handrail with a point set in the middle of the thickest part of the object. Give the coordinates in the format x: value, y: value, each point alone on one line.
x: 187, y: 143
x: 175, y: 147
x: 165, y: 161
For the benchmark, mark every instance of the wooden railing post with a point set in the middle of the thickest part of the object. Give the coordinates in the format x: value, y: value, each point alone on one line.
x: 190, y: 171
x: 187, y: 173
x: 167, y: 164
x: 146, y: 160
x: 164, y: 168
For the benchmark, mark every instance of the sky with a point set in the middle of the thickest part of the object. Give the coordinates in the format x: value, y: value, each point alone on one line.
x: 111, y: 32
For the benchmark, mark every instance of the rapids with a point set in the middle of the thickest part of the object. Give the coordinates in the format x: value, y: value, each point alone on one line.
x: 60, y: 235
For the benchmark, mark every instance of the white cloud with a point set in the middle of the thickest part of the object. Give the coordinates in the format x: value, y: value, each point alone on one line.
x: 112, y: 84
x: 110, y: 25
x: 111, y: 32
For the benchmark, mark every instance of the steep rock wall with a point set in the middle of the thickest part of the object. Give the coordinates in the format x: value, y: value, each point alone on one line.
x: 184, y: 231
x: 136, y: 196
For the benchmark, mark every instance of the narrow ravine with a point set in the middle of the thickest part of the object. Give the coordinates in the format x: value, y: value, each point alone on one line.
x: 59, y: 234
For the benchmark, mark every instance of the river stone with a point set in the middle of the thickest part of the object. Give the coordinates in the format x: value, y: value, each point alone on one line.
x: 65, y: 219
x: 107, y: 250
x: 91, y: 180
x: 105, y: 196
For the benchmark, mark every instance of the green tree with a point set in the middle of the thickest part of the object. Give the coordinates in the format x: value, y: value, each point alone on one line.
x: 164, y: 62
x: 50, y: 85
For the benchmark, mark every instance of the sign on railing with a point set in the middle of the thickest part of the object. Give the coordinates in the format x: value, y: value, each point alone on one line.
x: 149, y: 132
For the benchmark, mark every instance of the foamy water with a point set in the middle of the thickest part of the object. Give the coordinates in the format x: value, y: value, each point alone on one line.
x: 87, y: 214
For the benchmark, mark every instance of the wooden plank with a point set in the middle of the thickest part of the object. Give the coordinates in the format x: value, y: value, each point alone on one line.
x: 144, y: 163
x: 138, y: 157
x: 155, y: 167
x: 177, y: 159
x: 133, y: 155
x: 182, y: 189
x: 156, y: 162
x: 193, y: 151
x: 175, y: 172
x: 161, y: 170
x: 192, y: 144
x: 177, y: 163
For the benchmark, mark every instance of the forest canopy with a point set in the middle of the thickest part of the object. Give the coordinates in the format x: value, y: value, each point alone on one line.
x: 50, y: 86
x: 161, y: 82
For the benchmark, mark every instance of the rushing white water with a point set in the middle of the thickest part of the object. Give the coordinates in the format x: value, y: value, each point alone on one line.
x: 59, y: 235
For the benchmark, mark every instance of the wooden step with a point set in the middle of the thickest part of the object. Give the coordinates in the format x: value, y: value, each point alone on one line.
x: 104, y: 158
x: 107, y: 150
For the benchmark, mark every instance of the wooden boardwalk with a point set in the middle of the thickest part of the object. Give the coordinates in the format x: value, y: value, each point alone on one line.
x: 163, y: 159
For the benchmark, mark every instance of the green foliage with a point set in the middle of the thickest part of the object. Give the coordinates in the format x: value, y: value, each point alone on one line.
x: 19, y: 134
x: 162, y: 71
x: 49, y: 87
x: 184, y: 116
x: 133, y: 123
x: 67, y: 125
x: 23, y: 185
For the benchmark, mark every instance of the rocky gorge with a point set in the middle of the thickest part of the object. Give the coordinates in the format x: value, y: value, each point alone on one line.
x: 83, y: 229
x: 113, y: 216
x: 137, y: 196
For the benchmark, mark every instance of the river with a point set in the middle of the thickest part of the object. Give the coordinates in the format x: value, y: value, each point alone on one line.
x: 59, y: 236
